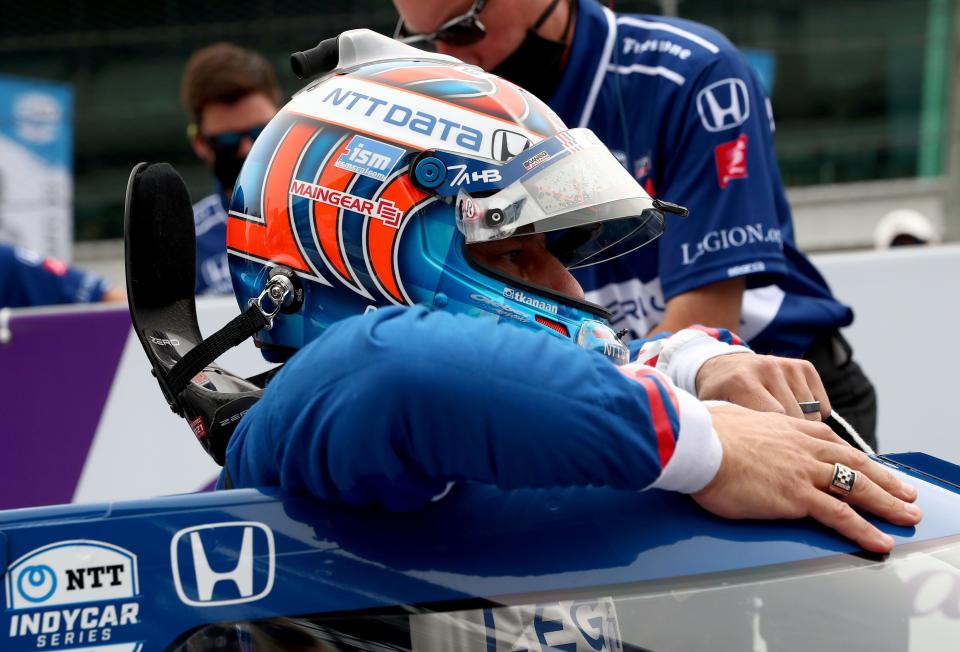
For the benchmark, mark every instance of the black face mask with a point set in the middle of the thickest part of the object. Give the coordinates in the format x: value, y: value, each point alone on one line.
x: 537, y: 65
x: 226, y: 168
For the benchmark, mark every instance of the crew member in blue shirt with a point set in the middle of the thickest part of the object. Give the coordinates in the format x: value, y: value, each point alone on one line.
x: 30, y: 279
x: 687, y: 116
x: 230, y: 93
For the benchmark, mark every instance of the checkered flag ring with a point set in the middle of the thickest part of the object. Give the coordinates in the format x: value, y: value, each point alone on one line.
x: 844, y: 478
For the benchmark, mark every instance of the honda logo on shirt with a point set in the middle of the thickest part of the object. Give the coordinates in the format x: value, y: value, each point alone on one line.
x: 223, y: 563
x: 724, y: 104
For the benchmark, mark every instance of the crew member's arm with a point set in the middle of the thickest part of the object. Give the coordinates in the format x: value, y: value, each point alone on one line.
x: 113, y: 295
x: 719, y: 163
x: 717, y: 304
x: 36, y: 280
x: 715, y: 364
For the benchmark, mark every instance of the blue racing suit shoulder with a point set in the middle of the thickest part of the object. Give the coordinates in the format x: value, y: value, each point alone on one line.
x: 389, y: 408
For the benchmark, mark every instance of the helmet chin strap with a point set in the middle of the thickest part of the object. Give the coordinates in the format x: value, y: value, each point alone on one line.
x: 257, y: 316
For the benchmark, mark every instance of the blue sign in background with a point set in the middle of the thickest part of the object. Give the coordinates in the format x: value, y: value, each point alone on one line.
x: 39, y: 116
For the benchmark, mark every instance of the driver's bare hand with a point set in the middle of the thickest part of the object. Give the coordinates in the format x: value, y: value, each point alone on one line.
x: 763, y: 382
x: 776, y: 466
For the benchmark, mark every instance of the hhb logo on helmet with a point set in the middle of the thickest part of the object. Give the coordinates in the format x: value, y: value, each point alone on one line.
x: 223, y: 563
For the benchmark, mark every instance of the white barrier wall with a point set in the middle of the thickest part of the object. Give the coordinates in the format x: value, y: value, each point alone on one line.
x: 137, y: 424
x: 85, y: 420
x: 906, y: 306
x: 82, y: 417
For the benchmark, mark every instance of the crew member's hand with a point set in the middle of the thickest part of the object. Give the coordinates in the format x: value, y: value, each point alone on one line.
x: 763, y: 382
x: 780, y: 467
x: 114, y: 295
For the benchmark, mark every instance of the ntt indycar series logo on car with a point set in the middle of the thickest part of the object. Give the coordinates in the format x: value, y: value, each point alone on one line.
x: 73, y: 594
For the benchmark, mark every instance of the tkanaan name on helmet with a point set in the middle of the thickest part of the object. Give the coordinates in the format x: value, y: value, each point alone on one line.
x: 520, y: 297
x: 396, y: 114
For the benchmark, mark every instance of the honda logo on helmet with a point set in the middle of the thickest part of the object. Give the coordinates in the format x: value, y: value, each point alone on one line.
x: 724, y: 104
x: 508, y: 144
x: 223, y: 563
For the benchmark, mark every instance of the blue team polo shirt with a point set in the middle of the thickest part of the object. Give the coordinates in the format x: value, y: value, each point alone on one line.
x: 684, y: 112
x: 210, y: 222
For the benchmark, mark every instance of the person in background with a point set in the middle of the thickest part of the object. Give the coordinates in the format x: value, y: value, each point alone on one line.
x: 31, y: 279
x: 687, y: 116
x: 904, y: 227
x: 230, y: 94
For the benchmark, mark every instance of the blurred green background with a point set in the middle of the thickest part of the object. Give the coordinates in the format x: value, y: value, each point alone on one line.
x: 859, y: 87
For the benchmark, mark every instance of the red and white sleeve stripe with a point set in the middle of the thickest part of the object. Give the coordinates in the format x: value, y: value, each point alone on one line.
x: 687, y: 445
x: 681, y: 355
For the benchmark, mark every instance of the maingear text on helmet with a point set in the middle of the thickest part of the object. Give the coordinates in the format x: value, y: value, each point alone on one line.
x: 382, y: 209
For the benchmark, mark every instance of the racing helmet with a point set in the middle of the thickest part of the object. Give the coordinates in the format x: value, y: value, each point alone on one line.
x: 370, y: 185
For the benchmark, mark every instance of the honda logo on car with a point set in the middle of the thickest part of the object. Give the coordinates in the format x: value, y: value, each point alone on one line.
x: 223, y: 563
x: 70, y: 573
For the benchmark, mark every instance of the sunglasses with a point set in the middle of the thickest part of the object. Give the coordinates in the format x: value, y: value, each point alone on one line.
x: 465, y: 29
x: 230, y: 140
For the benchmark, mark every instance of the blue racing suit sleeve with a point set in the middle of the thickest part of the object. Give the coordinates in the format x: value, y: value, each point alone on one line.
x: 388, y: 408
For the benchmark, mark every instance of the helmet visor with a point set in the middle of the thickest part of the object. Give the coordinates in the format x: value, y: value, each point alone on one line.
x: 591, y: 207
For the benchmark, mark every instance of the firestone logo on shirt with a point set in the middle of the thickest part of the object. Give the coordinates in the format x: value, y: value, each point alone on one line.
x: 732, y: 238
x: 666, y: 46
